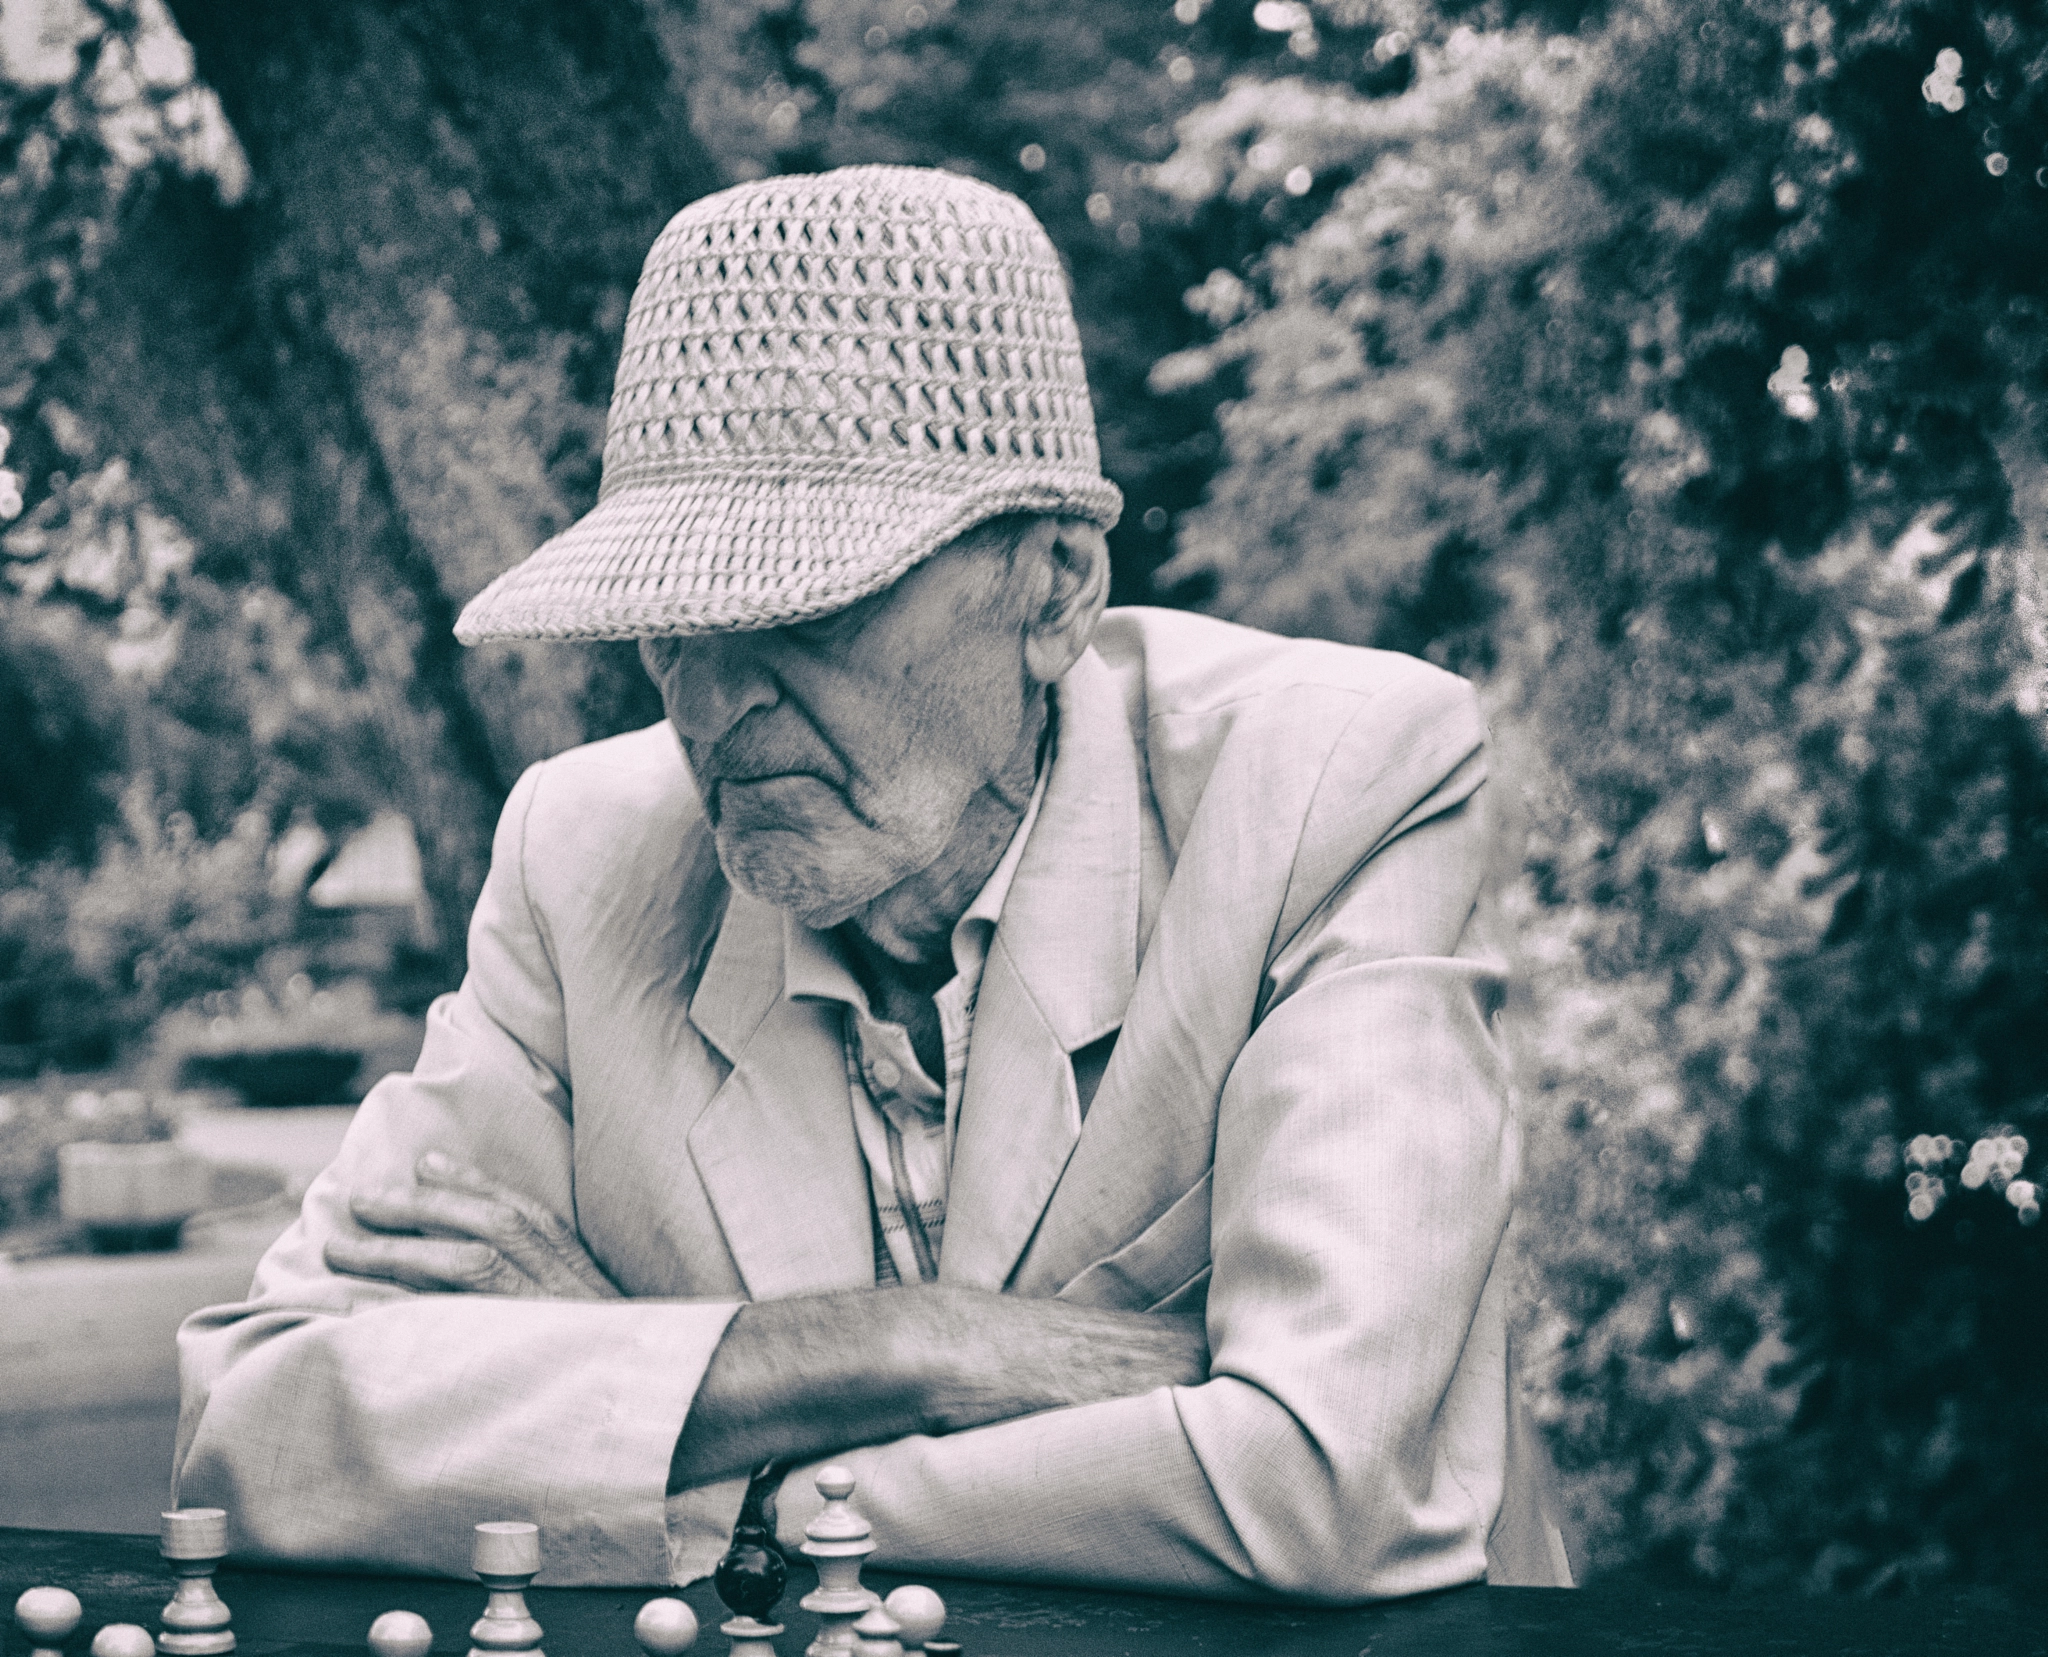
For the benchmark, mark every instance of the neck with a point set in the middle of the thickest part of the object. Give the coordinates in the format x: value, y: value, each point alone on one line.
x: 907, y: 932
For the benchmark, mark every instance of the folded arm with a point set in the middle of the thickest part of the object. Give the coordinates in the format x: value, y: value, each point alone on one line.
x: 818, y: 1375
x: 349, y: 1419
x: 431, y: 1342
x: 792, y: 1379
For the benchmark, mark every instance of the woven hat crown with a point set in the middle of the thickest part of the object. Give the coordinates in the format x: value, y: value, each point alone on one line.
x: 824, y: 379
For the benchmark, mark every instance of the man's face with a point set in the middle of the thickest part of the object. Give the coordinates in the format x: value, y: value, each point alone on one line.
x: 835, y: 757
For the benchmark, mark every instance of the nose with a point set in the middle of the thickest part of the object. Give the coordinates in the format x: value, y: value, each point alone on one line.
x: 709, y: 684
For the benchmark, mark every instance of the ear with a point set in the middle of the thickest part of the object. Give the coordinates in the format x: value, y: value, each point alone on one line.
x: 1072, y: 559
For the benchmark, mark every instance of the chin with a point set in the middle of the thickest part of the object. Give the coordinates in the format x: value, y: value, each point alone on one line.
x: 790, y: 878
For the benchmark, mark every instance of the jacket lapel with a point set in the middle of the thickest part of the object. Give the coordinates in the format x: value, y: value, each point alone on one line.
x: 1059, y: 974
x: 775, y: 1147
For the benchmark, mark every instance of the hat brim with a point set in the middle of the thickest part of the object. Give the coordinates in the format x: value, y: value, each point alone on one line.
x: 744, y: 549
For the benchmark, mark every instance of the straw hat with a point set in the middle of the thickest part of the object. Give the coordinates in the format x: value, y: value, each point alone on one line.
x: 825, y: 379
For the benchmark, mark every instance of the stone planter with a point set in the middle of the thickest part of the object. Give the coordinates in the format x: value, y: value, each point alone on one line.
x: 130, y: 1197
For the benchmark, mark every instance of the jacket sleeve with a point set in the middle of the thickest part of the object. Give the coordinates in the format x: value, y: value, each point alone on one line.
x: 350, y: 1422
x: 1349, y: 1442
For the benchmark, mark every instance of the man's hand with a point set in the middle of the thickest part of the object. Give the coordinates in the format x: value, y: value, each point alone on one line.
x: 455, y: 1231
x: 812, y: 1376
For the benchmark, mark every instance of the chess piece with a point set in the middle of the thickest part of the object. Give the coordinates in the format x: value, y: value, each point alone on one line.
x: 875, y: 1633
x: 123, y: 1639
x: 47, y: 1617
x: 837, y: 1540
x: 401, y: 1634
x: 919, y: 1614
x: 193, y: 1541
x: 665, y: 1628
x: 750, y: 1578
x: 506, y: 1558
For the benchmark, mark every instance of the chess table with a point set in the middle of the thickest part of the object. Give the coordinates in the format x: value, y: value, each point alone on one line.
x: 276, y: 1613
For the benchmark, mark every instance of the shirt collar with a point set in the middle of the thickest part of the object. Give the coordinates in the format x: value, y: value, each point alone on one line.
x: 987, y: 907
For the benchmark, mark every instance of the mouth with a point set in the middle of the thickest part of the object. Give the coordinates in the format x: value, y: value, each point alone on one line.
x: 752, y: 789
x: 778, y: 801
x: 765, y: 776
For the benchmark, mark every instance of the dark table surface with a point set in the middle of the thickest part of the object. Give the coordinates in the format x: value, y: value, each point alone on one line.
x: 121, y: 1579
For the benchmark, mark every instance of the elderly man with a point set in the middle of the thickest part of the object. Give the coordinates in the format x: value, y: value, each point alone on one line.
x: 1042, y: 1058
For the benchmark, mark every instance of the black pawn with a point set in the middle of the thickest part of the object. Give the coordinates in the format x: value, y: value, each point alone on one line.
x: 751, y: 1576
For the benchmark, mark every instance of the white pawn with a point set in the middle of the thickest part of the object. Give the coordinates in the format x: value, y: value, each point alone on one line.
x: 750, y: 1638
x: 47, y: 1617
x: 919, y: 1614
x: 401, y: 1634
x: 875, y: 1633
x: 123, y: 1639
x: 506, y: 1558
x: 194, y: 1541
x: 665, y: 1628
x: 836, y: 1541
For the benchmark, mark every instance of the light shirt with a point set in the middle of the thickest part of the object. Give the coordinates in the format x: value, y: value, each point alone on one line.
x: 907, y: 1121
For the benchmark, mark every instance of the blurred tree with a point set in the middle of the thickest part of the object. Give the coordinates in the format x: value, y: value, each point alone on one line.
x: 60, y: 773
x: 363, y: 369
x: 456, y: 201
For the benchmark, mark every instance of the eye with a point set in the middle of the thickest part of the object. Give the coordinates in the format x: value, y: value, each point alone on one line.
x: 834, y: 629
x: 658, y: 655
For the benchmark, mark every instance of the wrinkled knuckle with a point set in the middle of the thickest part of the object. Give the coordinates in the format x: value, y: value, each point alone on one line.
x: 502, y: 1226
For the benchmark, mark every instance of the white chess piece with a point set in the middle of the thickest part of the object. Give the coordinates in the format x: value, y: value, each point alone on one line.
x: 919, y: 1613
x: 665, y: 1628
x: 506, y: 1559
x: 837, y: 1540
x: 193, y: 1542
x: 750, y: 1637
x: 123, y: 1639
x: 875, y: 1633
x: 47, y: 1617
x: 401, y: 1634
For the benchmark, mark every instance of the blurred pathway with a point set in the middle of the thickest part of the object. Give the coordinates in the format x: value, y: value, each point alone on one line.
x: 88, y: 1364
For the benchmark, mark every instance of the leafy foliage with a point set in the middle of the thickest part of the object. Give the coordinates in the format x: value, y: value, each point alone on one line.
x: 1679, y: 379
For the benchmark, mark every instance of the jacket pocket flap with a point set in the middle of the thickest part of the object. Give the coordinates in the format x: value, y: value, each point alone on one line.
x: 1161, y: 1259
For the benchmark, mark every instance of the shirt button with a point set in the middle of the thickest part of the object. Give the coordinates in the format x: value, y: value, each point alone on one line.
x: 887, y: 1073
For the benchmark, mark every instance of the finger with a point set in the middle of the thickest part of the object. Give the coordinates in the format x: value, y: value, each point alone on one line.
x: 535, y: 1238
x: 392, y: 1211
x: 442, y: 1172
x: 432, y: 1265
x: 432, y: 1212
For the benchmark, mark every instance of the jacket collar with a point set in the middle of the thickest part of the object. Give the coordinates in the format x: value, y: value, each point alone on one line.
x: 1060, y: 972
x: 775, y: 1150
x: 1071, y: 920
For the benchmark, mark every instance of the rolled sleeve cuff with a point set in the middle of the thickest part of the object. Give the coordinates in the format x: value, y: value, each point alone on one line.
x: 700, y: 1524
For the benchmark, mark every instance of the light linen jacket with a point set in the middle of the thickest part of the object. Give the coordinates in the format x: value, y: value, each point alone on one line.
x: 1257, y: 866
